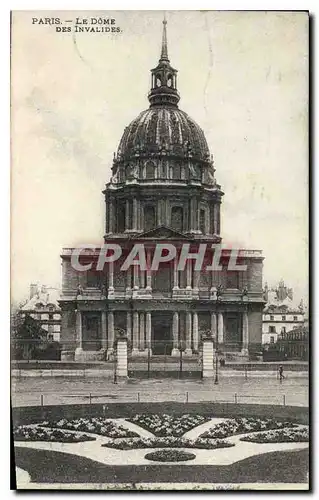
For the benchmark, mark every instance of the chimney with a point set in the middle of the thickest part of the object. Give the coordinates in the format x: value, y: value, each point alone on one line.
x: 33, y: 290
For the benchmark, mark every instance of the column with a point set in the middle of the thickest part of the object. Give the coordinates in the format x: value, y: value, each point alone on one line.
x: 148, y: 272
x: 213, y: 326
x: 220, y: 328
x: 111, y: 215
x: 78, y: 331
x: 166, y: 211
x: 245, y: 334
x: 110, y: 326
x: 175, y: 350
x: 142, y: 278
x: 175, y: 282
x: 139, y: 226
x: 107, y: 216
x: 135, y: 213
x: 142, y: 332
x: 195, y: 331
x: 189, y: 269
x: 121, y: 365
x: 104, y: 330
x: 188, y: 350
x: 196, y: 277
x: 135, y: 333
x: 212, y: 219
x: 129, y: 325
x: 127, y: 215
x: 148, y: 330
x: 191, y: 214
x: 111, y: 280
x: 159, y: 211
x: 129, y: 281
x: 215, y: 218
x: 136, y: 270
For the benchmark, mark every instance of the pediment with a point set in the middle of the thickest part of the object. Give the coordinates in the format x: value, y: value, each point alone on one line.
x: 163, y: 232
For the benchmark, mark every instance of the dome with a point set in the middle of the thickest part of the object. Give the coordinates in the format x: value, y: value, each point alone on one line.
x: 164, y: 127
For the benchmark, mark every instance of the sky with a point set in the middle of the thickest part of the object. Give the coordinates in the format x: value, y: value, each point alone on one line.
x: 242, y: 76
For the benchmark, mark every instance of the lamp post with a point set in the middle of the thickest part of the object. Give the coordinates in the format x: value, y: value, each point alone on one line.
x: 216, y: 361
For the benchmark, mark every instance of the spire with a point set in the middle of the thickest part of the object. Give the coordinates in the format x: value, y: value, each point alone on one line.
x: 164, y: 78
x: 164, y: 53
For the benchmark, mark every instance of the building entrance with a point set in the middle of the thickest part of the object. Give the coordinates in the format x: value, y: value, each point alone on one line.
x: 162, y: 342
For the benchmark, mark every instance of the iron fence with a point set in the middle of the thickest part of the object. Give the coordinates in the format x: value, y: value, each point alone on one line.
x: 50, y: 399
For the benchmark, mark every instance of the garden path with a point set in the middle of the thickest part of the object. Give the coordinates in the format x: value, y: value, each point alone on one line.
x: 133, y: 427
x: 22, y: 477
x: 110, y: 456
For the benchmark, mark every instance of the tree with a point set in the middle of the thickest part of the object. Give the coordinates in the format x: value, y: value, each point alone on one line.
x: 26, y: 335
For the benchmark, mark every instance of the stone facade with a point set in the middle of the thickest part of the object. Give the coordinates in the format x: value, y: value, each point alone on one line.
x: 281, y: 313
x: 162, y: 190
x: 43, y: 306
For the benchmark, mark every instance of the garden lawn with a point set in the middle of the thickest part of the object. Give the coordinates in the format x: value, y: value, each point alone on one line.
x: 52, y: 467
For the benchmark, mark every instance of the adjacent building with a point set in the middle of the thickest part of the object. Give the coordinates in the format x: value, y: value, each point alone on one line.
x: 281, y: 313
x: 163, y: 189
x: 43, y: 306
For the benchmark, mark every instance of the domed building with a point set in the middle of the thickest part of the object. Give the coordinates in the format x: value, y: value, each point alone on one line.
x: 162, y: 190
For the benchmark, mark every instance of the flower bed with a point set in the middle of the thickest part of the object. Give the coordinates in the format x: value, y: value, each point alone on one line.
x: 300, y: 435
x: 170, y: 456
x: 98, y: 425
x: 244, y: 425
x: 167, y: 442
x: 167, y: 425
x: 36, y: 433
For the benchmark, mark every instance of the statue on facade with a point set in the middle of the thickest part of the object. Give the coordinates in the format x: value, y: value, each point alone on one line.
x: 219, y: 291
x: 116, y: 176
x: 103, y: 291
x: 133, y: 172
x: 79, y: 290
x: 244, y: 293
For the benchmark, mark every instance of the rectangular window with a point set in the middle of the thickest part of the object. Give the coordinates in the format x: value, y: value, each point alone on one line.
x: 272, y: 339
x: 202, y: 225
x: 149, y: 217
x: 283, y: 318
x: 232, y: 279
x: 283, y: 329
x: 120, y: 217
x: 177, y: 218
x: 272, y: 318
x: 93, y: 279
x: 295, y: 318
x: 272, y: 329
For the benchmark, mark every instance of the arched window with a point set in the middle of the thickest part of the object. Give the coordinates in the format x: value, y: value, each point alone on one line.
x: 177, y: 218
x: 150, y: 170
x: 169, y: 81
x: 149, y: 217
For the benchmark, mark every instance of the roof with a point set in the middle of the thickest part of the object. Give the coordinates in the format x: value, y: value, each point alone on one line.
x: 167, y: 127
x: 44, y: 297
x: 287, y: 305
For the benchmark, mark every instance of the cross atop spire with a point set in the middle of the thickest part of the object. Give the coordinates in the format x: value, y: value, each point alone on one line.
x: 164, y: 53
